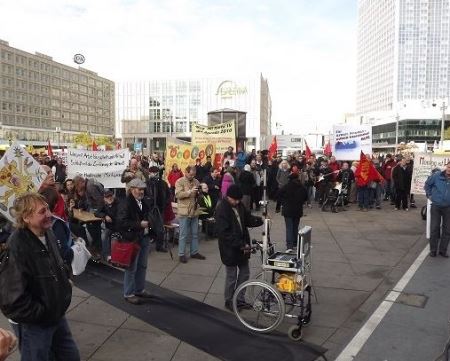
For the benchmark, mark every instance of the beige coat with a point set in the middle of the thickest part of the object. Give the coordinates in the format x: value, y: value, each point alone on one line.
x: 186, y: 198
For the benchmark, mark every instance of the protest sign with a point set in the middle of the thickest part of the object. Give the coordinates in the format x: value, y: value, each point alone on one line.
x: 423, y: 165
x: 350, y: 140
x: 222, y: 135
x: 106, y: 167
x: 186, y: 154
x: 19, y: 173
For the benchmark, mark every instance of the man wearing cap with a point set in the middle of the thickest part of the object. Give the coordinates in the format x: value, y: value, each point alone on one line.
x: 232, y: 220
x: 187, y: 193
x: 109, y: 215
x: 133, y: 224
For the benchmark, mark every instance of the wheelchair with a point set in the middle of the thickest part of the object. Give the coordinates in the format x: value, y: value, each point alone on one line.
x: 282, y: 289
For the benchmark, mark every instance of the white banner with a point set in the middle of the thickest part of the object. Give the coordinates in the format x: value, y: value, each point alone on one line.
x: 104, y: 166
x: 423, y: 165
x: 350, y: 140
x: 19, y: 173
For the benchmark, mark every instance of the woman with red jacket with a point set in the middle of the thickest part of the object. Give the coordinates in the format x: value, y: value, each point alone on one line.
x: 173, y: 176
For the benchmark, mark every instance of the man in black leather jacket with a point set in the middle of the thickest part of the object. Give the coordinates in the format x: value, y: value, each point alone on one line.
x: 35, y: 290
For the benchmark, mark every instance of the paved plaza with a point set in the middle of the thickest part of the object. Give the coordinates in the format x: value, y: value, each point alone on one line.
x: 357, y: 258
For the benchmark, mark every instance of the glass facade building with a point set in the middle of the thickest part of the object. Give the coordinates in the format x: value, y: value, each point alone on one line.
x: 403, y: 52
x: 149, y: 112
x: 43, y: 100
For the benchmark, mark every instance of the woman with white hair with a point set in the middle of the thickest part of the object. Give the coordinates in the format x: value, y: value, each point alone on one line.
x: 282, y: 180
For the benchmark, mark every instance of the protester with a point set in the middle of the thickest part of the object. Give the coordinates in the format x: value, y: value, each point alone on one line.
x: 227, y: 180
x: 437, y: 189
x: 35, y: 292
x: 174, y: 174
x: 232, y: 220
x: 388, y: 166
x: 292, y: 196
x: 155, y: 161
x: 131, y: 172
x: 134, y: 226
x: 401, y: 176
x: 247, y: 183
x: 109, y: 215
x: 282, y: 180
x: 187, y: 192
x: 214, y: 183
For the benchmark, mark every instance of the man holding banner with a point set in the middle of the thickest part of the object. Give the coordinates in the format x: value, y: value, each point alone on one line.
x: 437, y: 188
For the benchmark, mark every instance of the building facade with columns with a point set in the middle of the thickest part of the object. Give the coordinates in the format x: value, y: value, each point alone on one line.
x: 150, y: 112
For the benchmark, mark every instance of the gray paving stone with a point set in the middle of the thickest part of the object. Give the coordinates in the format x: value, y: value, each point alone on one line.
x: 198, y: 268
x: 186, y: 352
x: 133, y: 323
x: 188, y: 282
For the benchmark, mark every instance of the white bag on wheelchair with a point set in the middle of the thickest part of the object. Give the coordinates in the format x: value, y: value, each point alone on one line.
x: 81, y: 256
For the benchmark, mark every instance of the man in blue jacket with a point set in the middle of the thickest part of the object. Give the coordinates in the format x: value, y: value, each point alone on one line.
x: 437, y: 189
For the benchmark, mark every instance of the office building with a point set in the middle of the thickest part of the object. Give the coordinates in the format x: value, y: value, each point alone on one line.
x: 41, y: 99
x: 403, y: 53
x: 149, y: 112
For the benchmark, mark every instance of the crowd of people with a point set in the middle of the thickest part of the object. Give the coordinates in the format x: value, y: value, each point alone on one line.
x: 227, y: 196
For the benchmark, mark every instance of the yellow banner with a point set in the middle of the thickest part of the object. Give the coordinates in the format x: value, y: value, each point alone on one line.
x: 223, y: 135
x: 186, y: 154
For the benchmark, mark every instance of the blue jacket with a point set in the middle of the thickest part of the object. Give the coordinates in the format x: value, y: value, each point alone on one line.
x: 437, y: 188
x: 241, y: 159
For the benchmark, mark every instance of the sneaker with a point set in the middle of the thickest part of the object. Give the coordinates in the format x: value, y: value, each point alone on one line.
x: 134, y: 300
x: 395, y: 209
x: 229, y: 306
x: 183, y: 259
x: 198, y: 256
x: 144, y: 294
x: 443, y: 254
x: 310, y: 205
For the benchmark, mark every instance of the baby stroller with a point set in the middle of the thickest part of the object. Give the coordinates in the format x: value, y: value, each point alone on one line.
x: 336, y: 197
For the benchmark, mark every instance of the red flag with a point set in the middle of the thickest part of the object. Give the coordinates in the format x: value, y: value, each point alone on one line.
x: 366, y: 172
x: 327, y: 150
x: 49, y: 149
x: 273, y: 148
x: 308, y: 152
x: 94, y: 145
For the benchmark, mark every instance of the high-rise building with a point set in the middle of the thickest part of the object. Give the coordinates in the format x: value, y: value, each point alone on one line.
x: 42, y: 100
x: 149, y: 112
x: 403, y: 53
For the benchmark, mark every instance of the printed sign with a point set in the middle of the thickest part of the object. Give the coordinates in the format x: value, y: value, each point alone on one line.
x: 19, y: 173
x: 350, y: 140
x: 185, y: 154
x: 423, y: 166
x: 106, y: 167
x: 222, y: 135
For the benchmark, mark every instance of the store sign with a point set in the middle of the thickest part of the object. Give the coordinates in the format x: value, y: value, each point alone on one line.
x: 228, y: 89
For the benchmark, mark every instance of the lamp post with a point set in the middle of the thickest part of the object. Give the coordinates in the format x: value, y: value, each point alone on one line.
x: 443, y: 108
x: 58, y: 131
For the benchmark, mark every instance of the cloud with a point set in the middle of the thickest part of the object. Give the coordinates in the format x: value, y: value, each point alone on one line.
x: 306, y: 49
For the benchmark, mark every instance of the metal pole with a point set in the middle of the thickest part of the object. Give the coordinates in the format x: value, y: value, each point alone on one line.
x: 397, y: 118
x: 444, y: 107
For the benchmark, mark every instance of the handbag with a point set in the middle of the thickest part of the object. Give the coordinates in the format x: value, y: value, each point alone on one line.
x: 123, y: 253
x: 81, y: 256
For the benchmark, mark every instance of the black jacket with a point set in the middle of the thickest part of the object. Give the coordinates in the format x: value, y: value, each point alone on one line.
x: 34, y: 283
x: 129, y: 218
x: 402, y: 178
x: 247, y: 182
x: 110, y: 210
x: 212, y: 183
x: 233, y: 237
x: 292, y: 197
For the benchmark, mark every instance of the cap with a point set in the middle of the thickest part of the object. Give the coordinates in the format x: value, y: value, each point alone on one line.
x: 153, y: 169
x: 234, y: 192
x: 137, y: 183
x: 247, y: 167
x: 108, y: 193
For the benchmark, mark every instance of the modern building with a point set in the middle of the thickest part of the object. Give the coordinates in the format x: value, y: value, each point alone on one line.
x: 403, y: 53
x: 149, y: 112
x: 41, y: 100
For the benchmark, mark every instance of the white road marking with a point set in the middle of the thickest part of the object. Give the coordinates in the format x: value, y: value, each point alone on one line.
x: 357, y: 343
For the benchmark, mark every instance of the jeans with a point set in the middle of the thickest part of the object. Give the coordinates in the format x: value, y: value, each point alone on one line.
x: 235, y: 275
x: 292, y: 224
x: 45, y: 343
x: 310, y: 194
x: 188, y: 226
x: 134, y: 277
x: 438, y: 213
x: 106, y: 243
x: 375, y: 195
x: 363, y: 197
x: 401, y: 197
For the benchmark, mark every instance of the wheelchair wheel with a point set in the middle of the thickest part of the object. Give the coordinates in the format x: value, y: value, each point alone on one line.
x: 289, y: 299
x: 259, y: 306
x: 295, y: 333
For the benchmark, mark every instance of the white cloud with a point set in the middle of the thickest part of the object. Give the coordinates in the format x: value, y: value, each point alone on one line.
x: 309, y: 60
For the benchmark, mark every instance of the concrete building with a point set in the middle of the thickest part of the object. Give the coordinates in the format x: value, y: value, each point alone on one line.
x: 403, y: 53
x: 41, y: 99
x: 149, y: 112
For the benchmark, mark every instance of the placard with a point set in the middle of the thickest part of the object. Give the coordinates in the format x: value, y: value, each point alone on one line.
x: 423, y: 165
x: 350, y: 140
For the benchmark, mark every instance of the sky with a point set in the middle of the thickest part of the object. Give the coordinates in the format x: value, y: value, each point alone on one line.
x: 305, y: 48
